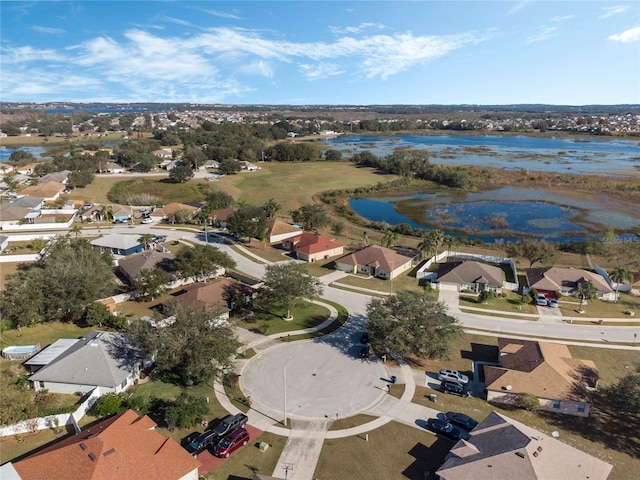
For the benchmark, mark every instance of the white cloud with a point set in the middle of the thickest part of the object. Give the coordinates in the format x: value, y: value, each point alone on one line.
x: 357, y: 29
x: 562, y: 19
x: 545, y: 34
x: 631, y: 35
x: 259, y: 68
x: 218, y: 13
x: 615, y: 10
x: 517, y: 7
x: 177, y: 21
x: 51, y: 30
x: 211, y: 64
x: 320, y: 71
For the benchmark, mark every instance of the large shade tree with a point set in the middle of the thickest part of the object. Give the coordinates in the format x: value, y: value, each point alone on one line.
x: 532, y: 250
x: 412, y: 324
x: 286, y: 284
x: 202, y: 261
x: 194, y: 348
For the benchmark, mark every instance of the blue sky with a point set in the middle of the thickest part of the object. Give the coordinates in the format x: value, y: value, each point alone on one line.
x: 568, y: 52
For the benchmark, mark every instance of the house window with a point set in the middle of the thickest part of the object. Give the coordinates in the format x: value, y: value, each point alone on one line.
x: 124, y: 383
x: 556, y: 404
x: 41, y: 385
x: 581, y: 407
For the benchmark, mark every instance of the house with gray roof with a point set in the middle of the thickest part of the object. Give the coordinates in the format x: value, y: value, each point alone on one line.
x: 100, y: 359
x: 118, y: 244
x: 470, y: 275
x: 501, y: 448
x: 12, y: 215
x: 549, y: 280
x: 131, y: 266
x: 61, y: 177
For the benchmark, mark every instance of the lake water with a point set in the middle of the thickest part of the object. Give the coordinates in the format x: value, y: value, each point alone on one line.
x: 600, y: 156
x: 502, y: 213
x: 5, y: 152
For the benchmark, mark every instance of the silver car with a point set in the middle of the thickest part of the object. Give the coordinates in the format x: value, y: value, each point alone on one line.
x: 452, y: 376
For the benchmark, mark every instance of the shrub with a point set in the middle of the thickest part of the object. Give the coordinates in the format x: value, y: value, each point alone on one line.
x: 528, y: 401
x: 108, y: 404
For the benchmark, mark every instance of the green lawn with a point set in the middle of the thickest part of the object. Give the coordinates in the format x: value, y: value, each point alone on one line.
x: 160, y: 189
x: 44, y: 334
x: 305, y: 316
x: 510, y: 303
x: 394, y: 451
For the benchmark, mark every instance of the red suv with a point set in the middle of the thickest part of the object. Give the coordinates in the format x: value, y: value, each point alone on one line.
x: 231, y: 442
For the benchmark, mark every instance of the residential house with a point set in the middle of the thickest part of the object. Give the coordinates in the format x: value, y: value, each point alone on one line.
x: 121, y: 213
x: 11, y: 214
x: 4, y: 242
x: 131, y: 266
x: 209, y: 164
x: 27, y: 169
x: 635, y: 286
x: 220, y: 217
x: 502, y: 448
x: 122, y: 447
x: 48, y: 191
x: 278, y: 231
x: 60, y: 177
x: 312, y: 247
x: 218, y: 294
x: 248, y: 166
x: 470, y: 275
x: 376, y: 261
x: 549, y: 280
x: 113, y: 167
x: 164, y: 153
x: 168, y: 212
x: 118, y: 244
x: 546, y: 370
x: 99, y: 359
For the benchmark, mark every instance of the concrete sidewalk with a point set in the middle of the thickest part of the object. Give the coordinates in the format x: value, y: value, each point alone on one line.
x: 300, y: 454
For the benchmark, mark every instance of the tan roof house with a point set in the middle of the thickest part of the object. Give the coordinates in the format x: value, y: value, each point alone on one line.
x: 548, y: 280
x: 168, y: 212
x: 312, y: 247
x: 49, y: 190
x: 122, y: 447
x: 376, y: 261
x: 220, y: 217
x: 546, y: 370
x: 220, y: 293
x: 470, y: 275
x: 278, y: 231
x: 500, y: 448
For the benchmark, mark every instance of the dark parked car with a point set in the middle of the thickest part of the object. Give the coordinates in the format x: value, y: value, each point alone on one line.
x: 231, y: 442
x: 364, y: 351
x: 202, y: 442
x: 452, y: 387
x: 461, y: 420
x: 364, y: 338
x: 444, y: 428
x: 229, y: 423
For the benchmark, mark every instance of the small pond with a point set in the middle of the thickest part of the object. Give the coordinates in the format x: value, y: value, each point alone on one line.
x: 504, y: 213
x: 38, y: 152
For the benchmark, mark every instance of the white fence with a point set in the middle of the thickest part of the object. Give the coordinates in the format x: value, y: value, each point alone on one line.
x: 38, y: 226
x: 424, y: 273
x: 35, y: 424
x: 26, y: 257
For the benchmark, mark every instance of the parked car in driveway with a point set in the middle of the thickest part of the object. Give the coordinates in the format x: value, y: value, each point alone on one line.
x: 540, y: 300
x: 229, y: 423
x: 453, y: 376
x: 202, y: 442
x: 147, y: 220
x: 364, y: 351
x: 452, y: 387
x: 553, y: 303
x: 461, y: 420
x: 444, y: 428
x: 231, y: 442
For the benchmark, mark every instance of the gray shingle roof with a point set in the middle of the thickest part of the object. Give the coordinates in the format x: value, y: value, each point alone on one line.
x: 103, y: 359
x: 116, y: 240
x: 470, y: 272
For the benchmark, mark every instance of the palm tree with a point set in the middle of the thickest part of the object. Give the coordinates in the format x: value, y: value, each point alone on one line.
x: 271, y: 208
x: 106, y: 213
x: 365, y: 239
x: 449, y: 242
x: 425, y: 246
x: 75, y: 229
x: 390, y: 239
x: 437, y: 237
x: 620, y: 275
x: 146, y: 239
x: 204, y: 215
x: 337, y: 228
x: 587, y: 291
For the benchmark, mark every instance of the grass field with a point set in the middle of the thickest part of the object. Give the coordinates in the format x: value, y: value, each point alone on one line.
x: 306, y: 315
x: 394, y: 451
